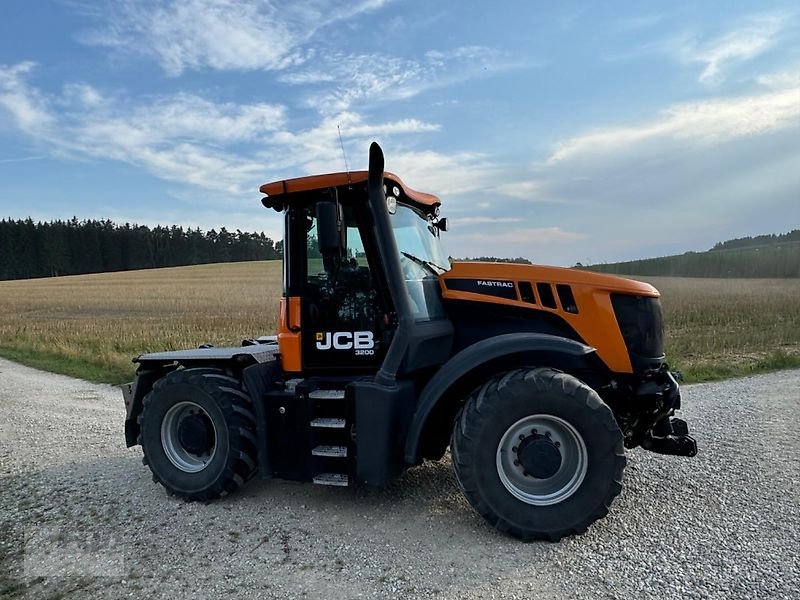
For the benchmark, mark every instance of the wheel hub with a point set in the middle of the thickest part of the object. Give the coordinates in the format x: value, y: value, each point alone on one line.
x: 196, y: 434
x: 541, y: 459
x: 188, y: 436
x: 539, y: 456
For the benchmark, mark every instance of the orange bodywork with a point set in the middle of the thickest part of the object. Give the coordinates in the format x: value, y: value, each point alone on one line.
x: 320, y: 182
x: 595, y: 321
x: 289, y: 336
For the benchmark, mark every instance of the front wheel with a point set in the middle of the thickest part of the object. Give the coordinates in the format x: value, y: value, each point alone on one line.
x: 538, y: 454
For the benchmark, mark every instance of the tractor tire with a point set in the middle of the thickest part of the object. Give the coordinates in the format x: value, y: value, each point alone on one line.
x: 198, y: 434
x: 538, y: 454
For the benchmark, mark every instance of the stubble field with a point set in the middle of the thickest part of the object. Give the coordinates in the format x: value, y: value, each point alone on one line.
x: 92, y: 325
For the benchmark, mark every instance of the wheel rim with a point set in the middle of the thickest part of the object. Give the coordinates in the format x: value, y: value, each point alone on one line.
x: 189, y: 437
x: 542, y: 460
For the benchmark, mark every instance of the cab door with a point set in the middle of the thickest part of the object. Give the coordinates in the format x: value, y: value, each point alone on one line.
x: 344, y: 322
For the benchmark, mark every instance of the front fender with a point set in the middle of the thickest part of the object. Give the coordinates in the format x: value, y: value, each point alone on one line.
x: 469, y: 361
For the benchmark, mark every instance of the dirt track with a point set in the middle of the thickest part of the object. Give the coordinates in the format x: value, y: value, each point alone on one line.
x: 80, y: 517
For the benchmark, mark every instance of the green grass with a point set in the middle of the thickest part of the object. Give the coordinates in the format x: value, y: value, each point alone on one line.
x: 715, y: 371
x: 114, y: 374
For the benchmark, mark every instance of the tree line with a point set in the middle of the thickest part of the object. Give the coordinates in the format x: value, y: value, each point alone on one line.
x: 518, y: 260
x: 759, y: 240
x: 770, y: 261
x: 46, y: 249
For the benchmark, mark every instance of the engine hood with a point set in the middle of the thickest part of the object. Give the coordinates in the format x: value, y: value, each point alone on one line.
x: 580, y: 301
x: 511, y: 272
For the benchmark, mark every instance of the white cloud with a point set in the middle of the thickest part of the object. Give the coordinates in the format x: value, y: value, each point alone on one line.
x: 754, y: 37
x: 222, y: 34
x: 445, y: 174
x: 522, y: 190
x: 82, y: 94
x: 699, y: 123
x: 780, y: 79
x: 172, y: 137
x: 363, y: 77
x: 186, y: 116
x: 189, y: 164
x: 746, y: 40
x: 16, y: 159
x: 186, y: 138
x: 684, y: 179
x: 26, y: 106
x: 318, y: 149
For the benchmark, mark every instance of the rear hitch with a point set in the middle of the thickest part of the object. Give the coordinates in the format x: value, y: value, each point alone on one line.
x: 674, y: 438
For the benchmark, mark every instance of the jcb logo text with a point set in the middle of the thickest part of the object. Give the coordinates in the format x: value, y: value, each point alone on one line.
x: 360, y: 341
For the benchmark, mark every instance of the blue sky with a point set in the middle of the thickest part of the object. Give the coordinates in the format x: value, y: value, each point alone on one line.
x: 562, y: 132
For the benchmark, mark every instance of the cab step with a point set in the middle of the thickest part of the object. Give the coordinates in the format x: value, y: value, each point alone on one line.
x: 337, y: 479
x: 326, y: 395
x: 329, y: 423
x: 330, y: 451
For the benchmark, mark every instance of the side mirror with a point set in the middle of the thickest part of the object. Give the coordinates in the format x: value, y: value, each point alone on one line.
x: 441, y: 224
x: 330, y: 227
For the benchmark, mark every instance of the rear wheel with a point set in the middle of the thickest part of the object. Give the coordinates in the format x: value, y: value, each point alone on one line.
x: 198, y: 433
x: 538, y: 454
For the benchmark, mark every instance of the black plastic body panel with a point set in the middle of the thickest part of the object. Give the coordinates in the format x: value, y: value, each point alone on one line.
x: 288, y: 436
x: 259, y: 380
x: 642, y: 326
x: 429, y: 345
x: 475, y: 321
x: 134, y: 395
x: 382, y: 417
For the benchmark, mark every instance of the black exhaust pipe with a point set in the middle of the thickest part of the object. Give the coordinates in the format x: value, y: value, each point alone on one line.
x: 390, y: 258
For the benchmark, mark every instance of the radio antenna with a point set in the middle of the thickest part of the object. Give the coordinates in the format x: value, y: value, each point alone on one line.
x: 344, y: 155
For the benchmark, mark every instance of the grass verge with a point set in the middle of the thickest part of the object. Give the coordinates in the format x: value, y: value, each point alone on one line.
x: 113, y: 374
x: 711, y: 371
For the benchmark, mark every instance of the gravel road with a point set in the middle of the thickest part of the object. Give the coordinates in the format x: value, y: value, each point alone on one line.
x: 80, y: 516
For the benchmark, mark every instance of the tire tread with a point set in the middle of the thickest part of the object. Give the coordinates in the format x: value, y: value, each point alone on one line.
x: 230, y: 396
x: 479, y: 406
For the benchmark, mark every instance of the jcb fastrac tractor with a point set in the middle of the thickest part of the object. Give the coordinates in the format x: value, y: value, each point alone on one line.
x: 537, y: 378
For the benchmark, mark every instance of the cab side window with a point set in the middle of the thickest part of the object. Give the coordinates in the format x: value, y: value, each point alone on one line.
x: 340, y: 296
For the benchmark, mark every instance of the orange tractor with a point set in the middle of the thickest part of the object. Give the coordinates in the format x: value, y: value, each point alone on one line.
x: 537, y: 378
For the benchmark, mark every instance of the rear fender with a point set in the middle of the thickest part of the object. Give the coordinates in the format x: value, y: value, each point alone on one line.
x: 154, y: 366
x: 444, y: 394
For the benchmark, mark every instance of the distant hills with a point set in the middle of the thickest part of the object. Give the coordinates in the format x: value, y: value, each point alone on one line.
x: 769, y: 256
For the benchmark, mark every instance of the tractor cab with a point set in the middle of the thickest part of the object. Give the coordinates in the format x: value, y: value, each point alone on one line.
x: 339, y: 311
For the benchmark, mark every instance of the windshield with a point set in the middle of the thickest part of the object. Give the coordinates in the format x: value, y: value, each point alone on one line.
x: 417, y: 237
x: 423, y: 259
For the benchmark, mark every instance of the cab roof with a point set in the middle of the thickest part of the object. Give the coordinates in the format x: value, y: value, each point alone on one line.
x: 287, y: 187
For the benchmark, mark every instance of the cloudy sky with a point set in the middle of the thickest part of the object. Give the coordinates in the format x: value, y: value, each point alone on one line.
x: 562, y: 132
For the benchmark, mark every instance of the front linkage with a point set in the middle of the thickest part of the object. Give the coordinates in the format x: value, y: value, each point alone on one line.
x: 645, y: 409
